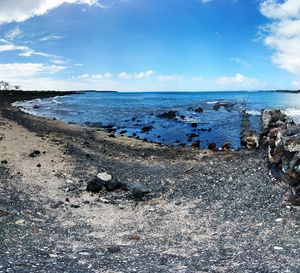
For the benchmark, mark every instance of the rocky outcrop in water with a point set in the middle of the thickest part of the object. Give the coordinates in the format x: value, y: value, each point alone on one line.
x: 249, y: 137
x: 281, y: 138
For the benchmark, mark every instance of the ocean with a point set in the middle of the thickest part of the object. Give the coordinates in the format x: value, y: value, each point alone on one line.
x: 139, y: 114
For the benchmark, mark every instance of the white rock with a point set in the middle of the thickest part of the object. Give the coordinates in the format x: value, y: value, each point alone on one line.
x: 278, y: 248
x: 104, y: 176
x: 279, y: 220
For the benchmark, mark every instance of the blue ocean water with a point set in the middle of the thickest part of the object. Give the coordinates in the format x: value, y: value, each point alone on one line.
x: 129, y: 113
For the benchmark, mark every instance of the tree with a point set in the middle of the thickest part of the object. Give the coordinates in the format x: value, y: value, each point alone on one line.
x: 5, y: 86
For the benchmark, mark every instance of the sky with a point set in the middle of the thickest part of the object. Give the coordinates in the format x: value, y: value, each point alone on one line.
x: 150, y: 45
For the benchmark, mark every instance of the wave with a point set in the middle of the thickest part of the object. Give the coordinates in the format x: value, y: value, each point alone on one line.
x: 253, y: 113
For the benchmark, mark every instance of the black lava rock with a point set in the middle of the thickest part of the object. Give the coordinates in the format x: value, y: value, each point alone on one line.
x: 168, y: 115
x: 95, y: 185
x: 199, y: 110
x: 113, y: 185
x: 139, y: 190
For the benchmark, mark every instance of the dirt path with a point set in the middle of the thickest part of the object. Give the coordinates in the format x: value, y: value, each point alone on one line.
x: 207, y: 213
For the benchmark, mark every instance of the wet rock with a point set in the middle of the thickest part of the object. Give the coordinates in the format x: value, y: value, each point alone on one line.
x: 194, y: 124
x: 168, y: 115
x: 196, y: 144
x: 212, y: 146
x: 226, y: 105
x: 95, y: 185
x: 139, y: 190
x: 146, y: 129
x: 199, y: 110
x: 123, y: 132
x: 226, y: 147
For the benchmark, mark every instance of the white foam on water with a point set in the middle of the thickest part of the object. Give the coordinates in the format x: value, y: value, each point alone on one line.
x: 253, y: 113
x: 212, y: 102
x: 294, y: 113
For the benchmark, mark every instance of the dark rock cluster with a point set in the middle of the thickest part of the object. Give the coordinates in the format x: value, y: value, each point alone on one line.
x: 281, y: 138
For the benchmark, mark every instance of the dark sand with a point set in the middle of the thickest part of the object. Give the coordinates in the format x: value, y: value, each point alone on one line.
x: 209, y: 212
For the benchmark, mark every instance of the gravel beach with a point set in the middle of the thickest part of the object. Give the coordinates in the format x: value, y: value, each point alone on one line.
x: 203, y: 211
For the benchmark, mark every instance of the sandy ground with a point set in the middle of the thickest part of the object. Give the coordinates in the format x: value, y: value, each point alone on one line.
x: 209, y: 212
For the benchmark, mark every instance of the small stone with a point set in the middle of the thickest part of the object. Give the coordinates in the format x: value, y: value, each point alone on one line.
x: 4, y: 162
x: 278, y: 220
x: 134, y: 237
x: 113, y: 248
x: 39, y: 165
x: 104, y: 176
x: 278, y: 248
x: 20, y: 222
x: 139, y: 190
x: 95, y: 185
x: 178, y: 202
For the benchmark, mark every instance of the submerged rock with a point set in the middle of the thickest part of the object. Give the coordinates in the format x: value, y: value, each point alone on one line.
x: 199, y: 110
x: 146, y: 129
x: 168, y: 115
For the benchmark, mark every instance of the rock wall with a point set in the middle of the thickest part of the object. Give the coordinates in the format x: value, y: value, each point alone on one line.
x: 281, y: 139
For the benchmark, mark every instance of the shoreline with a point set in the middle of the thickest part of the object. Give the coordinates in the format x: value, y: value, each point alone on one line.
x: 201, y: 215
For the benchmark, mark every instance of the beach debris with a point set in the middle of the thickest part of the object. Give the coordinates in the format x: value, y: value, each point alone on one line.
x: 168, y: 115
x: 138, y: 190
x: 95, y: 185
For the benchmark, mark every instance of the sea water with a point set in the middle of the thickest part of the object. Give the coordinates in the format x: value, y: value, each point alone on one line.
x: 130, y: 112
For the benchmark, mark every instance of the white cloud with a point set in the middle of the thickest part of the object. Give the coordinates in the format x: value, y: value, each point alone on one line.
x: 26, y: 51
x: 12, y: 71
x: 240, y: 61
x: 197, y: 79
x: 19, y: 11
x: 50, y: 38
x: 136, y: 75
x: 169, y: 78
x: 238, y: 80
x: 205, y: 1
x: 104, y: 76
x: 12, y: 34
x: 283, y: 33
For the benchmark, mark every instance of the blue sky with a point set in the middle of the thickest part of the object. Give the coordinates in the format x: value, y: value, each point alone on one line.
x: 148, y: 45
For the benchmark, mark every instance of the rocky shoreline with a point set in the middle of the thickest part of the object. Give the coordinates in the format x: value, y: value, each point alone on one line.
x: 154, y: 208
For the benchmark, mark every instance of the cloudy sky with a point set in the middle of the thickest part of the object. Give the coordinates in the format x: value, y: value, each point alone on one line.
x: 149, y: 45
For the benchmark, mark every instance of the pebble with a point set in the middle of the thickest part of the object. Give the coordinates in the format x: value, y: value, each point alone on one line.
x: 278, y: 248
x: 104, y: 176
